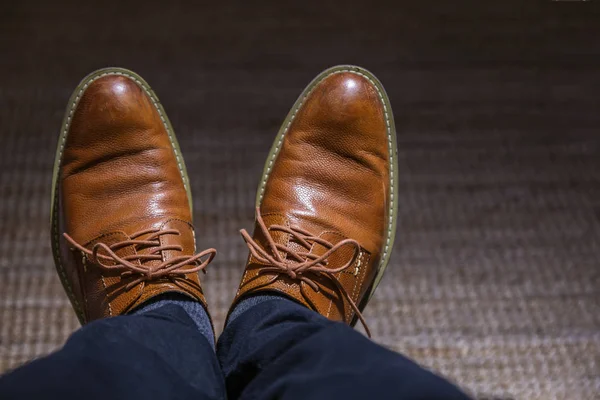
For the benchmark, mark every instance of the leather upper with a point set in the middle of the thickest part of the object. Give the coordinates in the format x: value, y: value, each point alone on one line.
x: 120, y: 175
x: 331, y: 177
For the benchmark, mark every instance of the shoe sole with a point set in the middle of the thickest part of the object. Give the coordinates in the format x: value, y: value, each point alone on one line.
x: 393, y: 154
x: 72, y: 105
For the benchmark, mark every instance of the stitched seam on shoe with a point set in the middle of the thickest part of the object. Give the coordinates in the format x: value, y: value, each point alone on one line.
x: 356, y: 280
x: 365, y: 259
x: 329, y: 308
x: 359, y: 261
x: 185, y: 222
x: 342, y: 237
x: 60, y: 154
x: 110, y: 312
x: 390, y: 150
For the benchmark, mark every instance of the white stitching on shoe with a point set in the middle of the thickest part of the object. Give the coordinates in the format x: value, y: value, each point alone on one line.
x: 110, y: 312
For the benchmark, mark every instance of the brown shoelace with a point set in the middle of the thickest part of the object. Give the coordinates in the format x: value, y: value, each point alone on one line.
x: 299, y: 263
x: 173, y: 267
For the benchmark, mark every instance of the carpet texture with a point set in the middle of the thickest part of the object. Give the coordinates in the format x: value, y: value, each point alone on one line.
x: 495, y: 277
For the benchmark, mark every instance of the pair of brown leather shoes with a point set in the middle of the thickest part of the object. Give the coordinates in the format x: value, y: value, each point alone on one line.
x: 122, y: 228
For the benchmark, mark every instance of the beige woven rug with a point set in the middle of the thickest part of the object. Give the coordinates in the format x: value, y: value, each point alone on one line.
x: 495, y: 277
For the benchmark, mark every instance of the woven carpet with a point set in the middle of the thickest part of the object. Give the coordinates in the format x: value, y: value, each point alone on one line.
x: 495, y: 277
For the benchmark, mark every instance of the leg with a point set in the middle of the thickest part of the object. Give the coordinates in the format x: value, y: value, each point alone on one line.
x: 325, y: 224
x: 274, y: 348
x: 123, y: 240
x: 158, y: 354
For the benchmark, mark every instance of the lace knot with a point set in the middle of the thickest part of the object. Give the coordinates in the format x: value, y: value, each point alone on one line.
x: 298, y: 263
x: 292, y: 274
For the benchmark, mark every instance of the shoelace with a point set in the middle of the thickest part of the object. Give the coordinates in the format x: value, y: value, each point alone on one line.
x: 173, y: 267
x: 299, y: 263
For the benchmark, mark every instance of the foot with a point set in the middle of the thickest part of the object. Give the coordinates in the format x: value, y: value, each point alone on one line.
x: 121, y: 209
x: 326, y: 205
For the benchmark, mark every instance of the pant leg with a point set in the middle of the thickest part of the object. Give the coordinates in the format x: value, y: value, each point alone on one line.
x: 160, y: 354
x: 278, y: 349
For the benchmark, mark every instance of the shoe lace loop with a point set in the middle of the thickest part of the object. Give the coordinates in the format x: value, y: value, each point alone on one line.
x: 299, y: 264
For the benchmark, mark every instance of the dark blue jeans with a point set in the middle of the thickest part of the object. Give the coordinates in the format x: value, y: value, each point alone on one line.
x: 275, y: 350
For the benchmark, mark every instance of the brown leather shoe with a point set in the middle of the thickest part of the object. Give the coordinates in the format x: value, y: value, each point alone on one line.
x: 326, y: 204
x: 121, y: 197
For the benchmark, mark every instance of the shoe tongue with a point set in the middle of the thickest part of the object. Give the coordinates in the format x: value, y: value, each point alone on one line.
x: 185, y: 239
